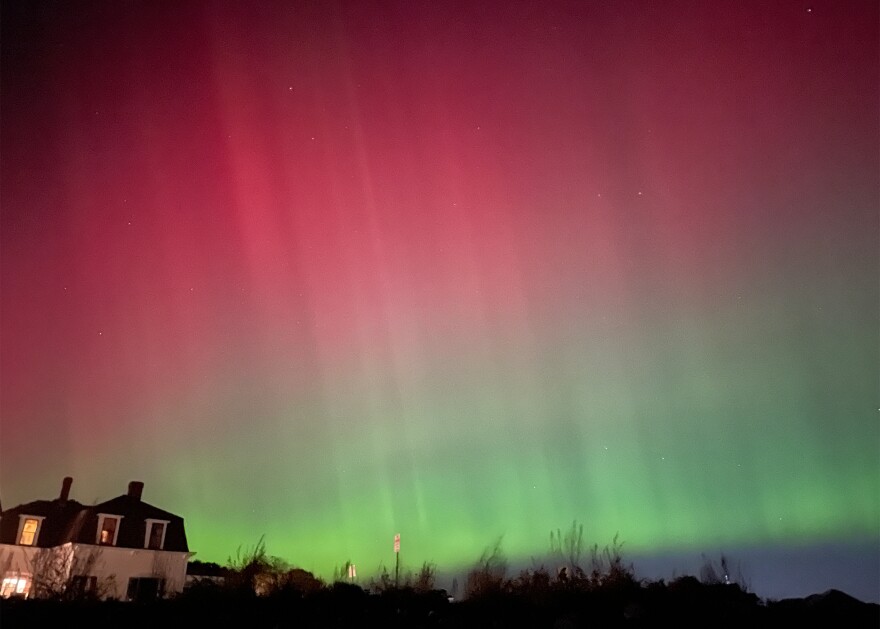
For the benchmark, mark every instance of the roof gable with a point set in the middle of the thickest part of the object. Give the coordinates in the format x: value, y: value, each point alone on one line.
x: 70, y: 521
x: 56, y: 514
x: 129, y: 506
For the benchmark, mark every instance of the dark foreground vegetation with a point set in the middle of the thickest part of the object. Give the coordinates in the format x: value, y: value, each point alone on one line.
x: 683, y: 603
x: 262, y: 592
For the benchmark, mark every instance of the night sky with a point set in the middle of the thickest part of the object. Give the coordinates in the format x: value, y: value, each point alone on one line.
x: 331, y: 271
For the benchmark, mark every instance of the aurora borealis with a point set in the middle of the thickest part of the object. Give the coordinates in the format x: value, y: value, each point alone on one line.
x: 330, y: 271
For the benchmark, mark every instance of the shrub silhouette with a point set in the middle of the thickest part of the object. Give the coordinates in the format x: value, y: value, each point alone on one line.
x: 597, y: 588
x: 487, y: 576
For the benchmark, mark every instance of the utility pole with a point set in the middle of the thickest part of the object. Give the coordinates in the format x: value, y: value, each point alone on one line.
x: 397, y: 560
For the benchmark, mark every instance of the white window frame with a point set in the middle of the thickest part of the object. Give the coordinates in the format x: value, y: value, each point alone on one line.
x: 106, y: 516
x: 22, y: 518
x: 150, y: 523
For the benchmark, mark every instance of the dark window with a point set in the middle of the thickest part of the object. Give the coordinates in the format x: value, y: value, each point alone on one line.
x: 145, y: 588
x: 157, y: 532
x: 82, y: 586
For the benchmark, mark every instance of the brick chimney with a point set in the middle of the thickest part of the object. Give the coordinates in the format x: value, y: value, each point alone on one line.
x: 65, y: 488
x: 135, y: 489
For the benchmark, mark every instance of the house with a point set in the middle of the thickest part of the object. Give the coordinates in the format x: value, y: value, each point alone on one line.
x: 123, y: 548
x: 201, y: 573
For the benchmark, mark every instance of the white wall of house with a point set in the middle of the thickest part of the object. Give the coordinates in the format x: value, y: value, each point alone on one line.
x: 112, y: 566
x: 16, y: 564
x: 122, y: 564
x: 15, y: 557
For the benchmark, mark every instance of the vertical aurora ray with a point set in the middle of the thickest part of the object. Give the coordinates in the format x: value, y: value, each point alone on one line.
x: 331, y: 272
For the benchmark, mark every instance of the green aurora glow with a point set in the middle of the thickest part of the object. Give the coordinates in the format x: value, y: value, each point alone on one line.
x: 331, y: 274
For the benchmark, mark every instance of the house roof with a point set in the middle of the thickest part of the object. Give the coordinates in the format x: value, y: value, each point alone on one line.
x: 57, y: 516
x: 67, y: 520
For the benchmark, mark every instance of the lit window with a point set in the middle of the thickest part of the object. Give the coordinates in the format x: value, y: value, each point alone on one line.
x: 29, y: 529
x: 155, y: 539
x: 29, y: 532
x: 16, y: 585
x: 108, y: 529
